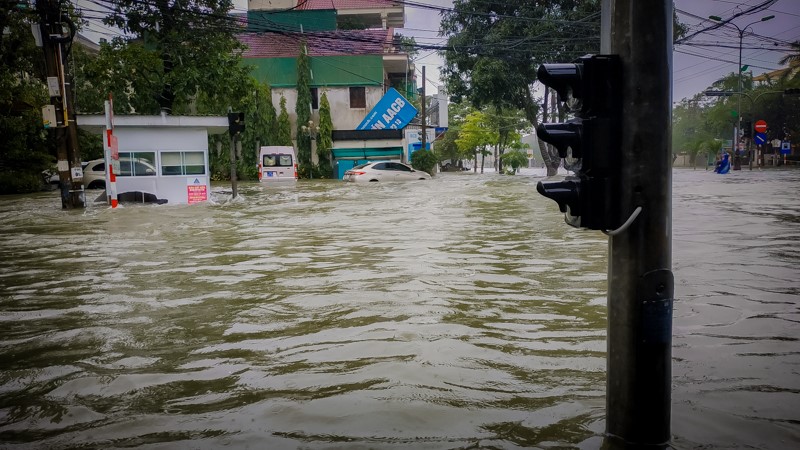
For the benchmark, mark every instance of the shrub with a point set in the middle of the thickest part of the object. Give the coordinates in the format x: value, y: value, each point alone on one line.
x: 424, y: 160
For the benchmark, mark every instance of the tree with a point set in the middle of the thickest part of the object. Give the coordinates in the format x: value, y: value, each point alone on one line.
x: 515, y: 159
x: 793, y: 58
x: 182, y: 60
x: 325, y: 138
x: 303, y: 112
x: 284, y: 125
x: 495, y: 48
x: 261, y: 128
x: 507, y: 123
x: 26, y: 148
x: 475, y: 136
x: 447, y: 149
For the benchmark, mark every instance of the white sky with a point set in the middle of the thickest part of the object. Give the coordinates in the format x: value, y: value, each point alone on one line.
x: 691, y: 73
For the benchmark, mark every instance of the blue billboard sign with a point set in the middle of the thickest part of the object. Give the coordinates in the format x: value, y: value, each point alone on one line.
x: 392, y: 112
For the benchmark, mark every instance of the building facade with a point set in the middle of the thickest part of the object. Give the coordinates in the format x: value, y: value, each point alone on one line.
x: 353, y: 53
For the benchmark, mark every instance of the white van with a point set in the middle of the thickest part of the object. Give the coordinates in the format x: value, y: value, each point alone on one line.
x: 277, y: 163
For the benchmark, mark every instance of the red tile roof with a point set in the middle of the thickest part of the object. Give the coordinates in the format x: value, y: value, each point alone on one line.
x: 346, y: 4
x: 320, y: 43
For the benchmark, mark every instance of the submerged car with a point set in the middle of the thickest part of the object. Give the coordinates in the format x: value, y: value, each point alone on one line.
x: 94, y: 175
x: 384, y: 171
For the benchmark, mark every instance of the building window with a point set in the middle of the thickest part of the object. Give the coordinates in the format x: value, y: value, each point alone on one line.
x: 358, y: 97
x: 137, y: 164
x: 314, y: 98
x: 183, y: 163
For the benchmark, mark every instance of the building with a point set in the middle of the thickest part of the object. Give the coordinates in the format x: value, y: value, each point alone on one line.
x: 354, y: 59
x: 162, y: 159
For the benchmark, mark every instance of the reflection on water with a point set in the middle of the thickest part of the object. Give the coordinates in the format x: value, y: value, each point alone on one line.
x: 456, y: 313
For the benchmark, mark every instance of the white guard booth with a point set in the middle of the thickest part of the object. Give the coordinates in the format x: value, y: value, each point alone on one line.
x: 162, y: 159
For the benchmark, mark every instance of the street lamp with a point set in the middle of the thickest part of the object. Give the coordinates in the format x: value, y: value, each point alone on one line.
x: 742, y: 30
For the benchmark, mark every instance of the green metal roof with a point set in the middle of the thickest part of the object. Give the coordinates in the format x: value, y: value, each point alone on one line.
x: 291, y: 21
x: 363, y: 70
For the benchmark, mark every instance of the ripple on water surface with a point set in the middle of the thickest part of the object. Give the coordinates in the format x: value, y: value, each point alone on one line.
x: 459, y: 312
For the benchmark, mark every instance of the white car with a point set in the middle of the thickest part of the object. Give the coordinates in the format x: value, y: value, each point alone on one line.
x: 94, y: 174
x: 384, y: 171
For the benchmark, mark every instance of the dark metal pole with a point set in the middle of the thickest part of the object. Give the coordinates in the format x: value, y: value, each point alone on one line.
x: 234, y: 179
x: 423, y: 134
x: 640, y: 281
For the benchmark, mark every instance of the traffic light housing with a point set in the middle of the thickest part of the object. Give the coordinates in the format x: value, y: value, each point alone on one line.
x: 747, y: 129
x: 590, y: 198
x: 235, y: 123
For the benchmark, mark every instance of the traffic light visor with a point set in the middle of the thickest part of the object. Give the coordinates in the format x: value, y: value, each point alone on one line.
x: 562, y: 136
x: 564, y: 78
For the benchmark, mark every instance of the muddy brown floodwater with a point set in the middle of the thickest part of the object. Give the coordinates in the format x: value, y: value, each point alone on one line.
x: 456, y: 313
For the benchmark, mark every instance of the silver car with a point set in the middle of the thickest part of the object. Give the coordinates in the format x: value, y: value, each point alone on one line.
x: 384, y: 171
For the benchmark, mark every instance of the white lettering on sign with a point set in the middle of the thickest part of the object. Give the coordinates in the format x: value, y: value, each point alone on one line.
x: 389, y: 115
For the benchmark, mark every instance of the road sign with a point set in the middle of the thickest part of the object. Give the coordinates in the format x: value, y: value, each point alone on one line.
x: 760, y: 138
x: 786, y: 148
x: 761, y: 126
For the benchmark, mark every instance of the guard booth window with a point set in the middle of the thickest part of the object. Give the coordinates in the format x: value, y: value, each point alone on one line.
x: 137, y: 164
x: 182, y: 163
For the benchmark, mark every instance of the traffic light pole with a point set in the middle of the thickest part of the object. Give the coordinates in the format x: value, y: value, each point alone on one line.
x: 640, y: 280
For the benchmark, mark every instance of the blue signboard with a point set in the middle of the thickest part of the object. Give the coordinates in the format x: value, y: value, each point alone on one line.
x: 392, y: 112
x: 786, y: 148
x: 760, y: 138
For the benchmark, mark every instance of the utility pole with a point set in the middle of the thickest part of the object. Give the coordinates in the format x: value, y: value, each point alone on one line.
x: 640, y: 280
x: 423, y: 135
x: 52, y: 27
x: 235, y: 130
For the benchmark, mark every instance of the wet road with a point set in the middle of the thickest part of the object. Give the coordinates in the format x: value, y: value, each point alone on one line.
x: 456, y: 313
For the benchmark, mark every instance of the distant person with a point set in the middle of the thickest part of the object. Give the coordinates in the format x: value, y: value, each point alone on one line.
x: 723, y: 165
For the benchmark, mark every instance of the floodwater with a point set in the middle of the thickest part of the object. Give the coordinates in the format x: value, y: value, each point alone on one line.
x: 456, y: 313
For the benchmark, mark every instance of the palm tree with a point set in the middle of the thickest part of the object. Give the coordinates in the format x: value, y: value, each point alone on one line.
x: 793, y: 58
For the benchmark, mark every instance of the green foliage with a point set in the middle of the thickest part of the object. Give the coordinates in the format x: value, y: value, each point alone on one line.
x: 121, y: 69
x: 475, y: 134
x: 701, y: 124
x: 260, y: 128
x: 324, y: 138
x: 27, y: 149
x: 424, y: 160
x: 284, y: 125
x: 407, y: 45
x: 515, y: 159
x: 167, y: 61
x: 303, y: 109
x: 446, y: 148
x: 492, y: 57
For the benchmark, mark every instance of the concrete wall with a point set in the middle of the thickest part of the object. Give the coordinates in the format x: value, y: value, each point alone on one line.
x: 344, y: 117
